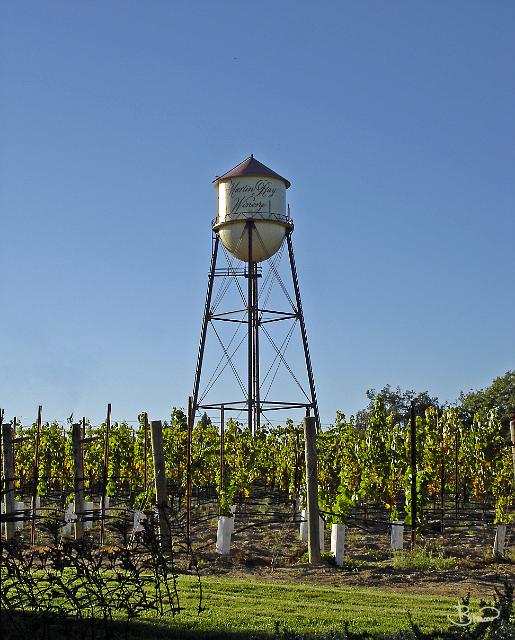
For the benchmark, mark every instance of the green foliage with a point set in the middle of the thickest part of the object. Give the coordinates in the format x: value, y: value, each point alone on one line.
x: 397, y: 404
x: 24, y: 453
x: 500, y: 395
x: 121, y: 457
x: 381, y: 457
x: 55, y: 461
x: 423, y: 560
x: 94, y: 454
x: 487, y: 462
x: 367, y: 463
x: 142, y: 465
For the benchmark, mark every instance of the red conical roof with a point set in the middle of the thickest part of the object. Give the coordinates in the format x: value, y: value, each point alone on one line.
x: 252, y: 168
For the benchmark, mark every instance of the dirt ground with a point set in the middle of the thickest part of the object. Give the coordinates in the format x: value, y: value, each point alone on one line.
x: 274, y: 552
x: 266, y: 546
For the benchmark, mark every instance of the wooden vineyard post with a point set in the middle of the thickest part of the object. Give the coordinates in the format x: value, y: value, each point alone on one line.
x: 78, y: 473
x: 442, y: 473
x: 36, y: 479
x: 312, y: 489
x: 188, y: 470
x: 413, y: 442
x: 298, y: 472
x: 456, y: 472
x: 8, y: 471
x: 222, y: 452
x: 105, y: 472
x: 145, y: 450
x: 156, y: 436
x: 512, y: 432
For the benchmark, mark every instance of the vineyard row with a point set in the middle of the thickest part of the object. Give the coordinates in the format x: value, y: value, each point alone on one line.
x: 355, y: 466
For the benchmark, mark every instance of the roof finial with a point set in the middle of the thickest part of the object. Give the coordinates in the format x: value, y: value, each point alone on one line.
x: 251, y: 155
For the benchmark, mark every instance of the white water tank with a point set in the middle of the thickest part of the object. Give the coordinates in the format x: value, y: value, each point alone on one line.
x: 252, y: 191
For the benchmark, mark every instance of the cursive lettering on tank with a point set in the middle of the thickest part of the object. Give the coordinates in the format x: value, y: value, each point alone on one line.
x: 251, y: 197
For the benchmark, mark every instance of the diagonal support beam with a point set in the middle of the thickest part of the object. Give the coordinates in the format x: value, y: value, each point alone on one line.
x: 309, y: 368
x: 203, y: 333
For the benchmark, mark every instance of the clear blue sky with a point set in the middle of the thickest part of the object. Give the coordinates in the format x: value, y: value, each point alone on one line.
x: 395, y: 122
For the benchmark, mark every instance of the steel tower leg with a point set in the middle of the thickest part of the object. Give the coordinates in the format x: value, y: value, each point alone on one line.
x: 303, y: 330
x: 203, y: 333
x: 257, y: 413
x: 250, y: 326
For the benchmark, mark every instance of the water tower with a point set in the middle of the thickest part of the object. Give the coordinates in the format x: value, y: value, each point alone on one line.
x: 252, y: 224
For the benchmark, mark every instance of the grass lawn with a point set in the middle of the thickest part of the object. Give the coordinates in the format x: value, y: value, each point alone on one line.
x: 249, y: 608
